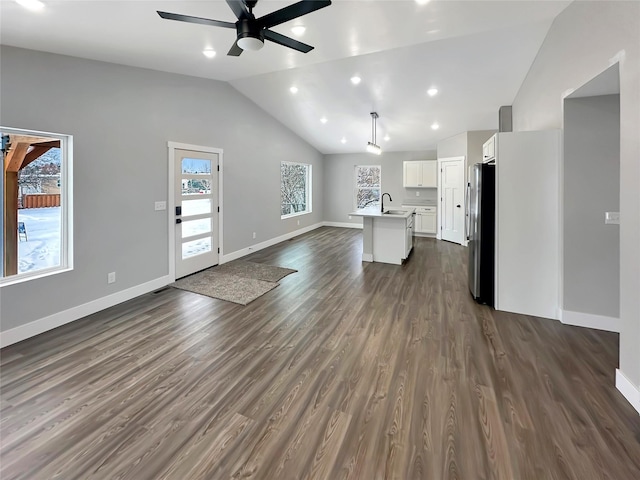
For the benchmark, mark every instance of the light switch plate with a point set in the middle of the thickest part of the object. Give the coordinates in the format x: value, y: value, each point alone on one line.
x: 161, y: 206
x: 612, y: 218
x: 417, y: 193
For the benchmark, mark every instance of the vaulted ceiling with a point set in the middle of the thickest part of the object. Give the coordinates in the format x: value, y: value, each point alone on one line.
x: 475, y: 52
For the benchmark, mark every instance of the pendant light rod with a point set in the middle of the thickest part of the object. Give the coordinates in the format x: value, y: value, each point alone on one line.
x: 372, y: 146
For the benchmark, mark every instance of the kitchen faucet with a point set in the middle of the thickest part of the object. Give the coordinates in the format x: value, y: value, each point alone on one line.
x: 382, y: 201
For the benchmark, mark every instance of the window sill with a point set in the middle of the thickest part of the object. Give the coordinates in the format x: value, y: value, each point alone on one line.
x: 26, y: 277
x: 297, y: 214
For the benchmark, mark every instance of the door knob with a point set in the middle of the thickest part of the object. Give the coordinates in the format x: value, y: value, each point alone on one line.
x: 458, y: 206
x: 178, y: 220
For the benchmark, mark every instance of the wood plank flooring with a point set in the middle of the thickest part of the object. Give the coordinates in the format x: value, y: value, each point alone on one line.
x: 345, y: 371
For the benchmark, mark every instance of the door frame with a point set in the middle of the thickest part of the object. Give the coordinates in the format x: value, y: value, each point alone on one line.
x: 462, y: 158
x: 171, y: 202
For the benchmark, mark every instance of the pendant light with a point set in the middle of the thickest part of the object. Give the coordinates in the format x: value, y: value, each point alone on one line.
x: 372, y: 147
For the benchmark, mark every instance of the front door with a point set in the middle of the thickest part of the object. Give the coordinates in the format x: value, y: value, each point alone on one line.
x: 452, y: 200
x: 196, y: 211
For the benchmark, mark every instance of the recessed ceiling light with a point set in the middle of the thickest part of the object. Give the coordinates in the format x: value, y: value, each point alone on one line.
x: 209, y: 52
x: 435, y: 126
x: 344, y: 140
x: 356, y: 80
x: 323, y: 119
x: 294, y: 89
x: 31, y: 4
x: 422, y: 2
x: 298, y: 30
x: 432, y: 91
x: 387, y: 138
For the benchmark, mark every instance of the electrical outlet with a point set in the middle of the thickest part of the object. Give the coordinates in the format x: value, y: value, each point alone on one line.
x: 612, y: 218
x: 349, y: 217
x: 161, y: 205
x: 111, y: 277
x: 254, y: 234
x: 417, y: 193
x: 298, y: 222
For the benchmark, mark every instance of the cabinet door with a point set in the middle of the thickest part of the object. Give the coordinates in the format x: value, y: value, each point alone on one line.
x: 418, y: 223
x: 429, y: 223
x: 412, y: 174
x: 429, y: 174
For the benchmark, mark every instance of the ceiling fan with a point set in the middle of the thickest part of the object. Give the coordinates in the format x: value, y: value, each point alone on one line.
x: 252, y: 31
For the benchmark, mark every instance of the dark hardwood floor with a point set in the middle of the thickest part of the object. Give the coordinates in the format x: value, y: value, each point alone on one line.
x: 346, y: 370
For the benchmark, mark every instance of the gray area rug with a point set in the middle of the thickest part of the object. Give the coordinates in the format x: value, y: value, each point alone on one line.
x: 238, y: 282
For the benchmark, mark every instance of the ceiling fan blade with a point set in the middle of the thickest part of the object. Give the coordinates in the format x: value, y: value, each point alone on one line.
x: 235, y: 50
x: 292, y: 11
x: 286, y: 41
x: 239, y: 9
x: 201, y: 21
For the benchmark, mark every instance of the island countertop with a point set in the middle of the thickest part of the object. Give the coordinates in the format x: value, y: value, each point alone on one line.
x: 390, y: 213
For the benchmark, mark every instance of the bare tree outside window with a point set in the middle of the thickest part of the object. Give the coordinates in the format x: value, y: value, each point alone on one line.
x: 367, y: 191
x: 295, y: 188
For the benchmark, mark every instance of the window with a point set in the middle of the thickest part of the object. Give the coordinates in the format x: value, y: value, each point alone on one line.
x: 36, y: 204
x: 367, y: 191
x: 295, y: 189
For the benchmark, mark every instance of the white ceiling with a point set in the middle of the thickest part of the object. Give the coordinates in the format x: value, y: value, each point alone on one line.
x: 476, y: 53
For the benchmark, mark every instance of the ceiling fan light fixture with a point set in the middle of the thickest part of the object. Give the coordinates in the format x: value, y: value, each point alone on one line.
x: 250, y: 43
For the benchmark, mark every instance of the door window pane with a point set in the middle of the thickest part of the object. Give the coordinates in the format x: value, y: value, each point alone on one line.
x: 196, y: 166
x: 196, y: 227
x: 196, y: 186
x: 196, y: 247
x: 196, y: 207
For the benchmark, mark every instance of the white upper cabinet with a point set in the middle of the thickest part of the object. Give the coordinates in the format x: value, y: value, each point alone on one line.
x: 420, y: 174
x: 489, y: 150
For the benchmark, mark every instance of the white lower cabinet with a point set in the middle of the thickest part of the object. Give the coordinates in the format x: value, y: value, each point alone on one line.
x: 425, y: 220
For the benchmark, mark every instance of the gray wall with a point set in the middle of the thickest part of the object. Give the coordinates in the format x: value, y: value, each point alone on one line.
x: 591, y: 281
x: 582, y: 42
x: 455, y: 146
x: 121, y: 119
x: 339, y: 181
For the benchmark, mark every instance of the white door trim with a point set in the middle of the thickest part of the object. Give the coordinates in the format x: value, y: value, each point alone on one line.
x: 171, y: 202
x: 464, y: 193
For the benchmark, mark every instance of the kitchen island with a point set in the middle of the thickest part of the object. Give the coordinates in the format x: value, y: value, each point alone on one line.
x: 386, y: 237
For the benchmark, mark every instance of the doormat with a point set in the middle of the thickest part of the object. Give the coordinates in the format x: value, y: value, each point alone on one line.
x: 238, y: 282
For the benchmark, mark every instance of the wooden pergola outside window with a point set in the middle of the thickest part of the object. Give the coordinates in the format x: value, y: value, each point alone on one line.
x: 18, y: 152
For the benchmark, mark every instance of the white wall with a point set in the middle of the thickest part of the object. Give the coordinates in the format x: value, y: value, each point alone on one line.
x: 584, y: 40
x: 591, y: 258
x: 121, y: 119
x: 339, y: 181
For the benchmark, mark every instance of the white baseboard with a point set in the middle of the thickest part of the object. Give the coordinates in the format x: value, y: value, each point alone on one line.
x: 42, y: 325
x: 267, y: 243
x: 588, y: 320
x: 367, y: 257
x: 628, y: 390
x: 342, y: 225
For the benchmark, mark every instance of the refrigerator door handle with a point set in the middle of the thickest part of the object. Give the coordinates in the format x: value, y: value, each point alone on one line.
x: 468, y: 208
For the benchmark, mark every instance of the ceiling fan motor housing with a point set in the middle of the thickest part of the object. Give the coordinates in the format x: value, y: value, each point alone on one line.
x: 249, y: 28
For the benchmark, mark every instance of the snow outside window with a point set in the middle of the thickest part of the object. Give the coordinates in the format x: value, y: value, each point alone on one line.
x: 295, y: 189
x: 367, y: 189
x: 36, y: 204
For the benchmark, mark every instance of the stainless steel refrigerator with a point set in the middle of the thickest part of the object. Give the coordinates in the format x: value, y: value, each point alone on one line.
x: 481, y: 195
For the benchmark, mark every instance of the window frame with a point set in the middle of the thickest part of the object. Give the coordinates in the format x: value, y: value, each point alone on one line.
x: 356, y: 188
x: 308, y: 190
x: 66, y: 209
